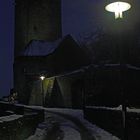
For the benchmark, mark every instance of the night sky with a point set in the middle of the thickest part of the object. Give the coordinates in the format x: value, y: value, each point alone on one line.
x: 77, y: 17
x: 6, y: 45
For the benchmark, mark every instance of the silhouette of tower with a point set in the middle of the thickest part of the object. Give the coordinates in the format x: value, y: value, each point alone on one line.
x: 36, y: 20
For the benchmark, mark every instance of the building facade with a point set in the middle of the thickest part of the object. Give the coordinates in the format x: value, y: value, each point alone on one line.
x: 34, y: 20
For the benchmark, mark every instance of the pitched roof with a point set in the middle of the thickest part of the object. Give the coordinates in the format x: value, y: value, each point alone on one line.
x: 42, y: 47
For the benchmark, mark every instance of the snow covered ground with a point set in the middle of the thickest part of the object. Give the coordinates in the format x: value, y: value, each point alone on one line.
x: 72, y: 124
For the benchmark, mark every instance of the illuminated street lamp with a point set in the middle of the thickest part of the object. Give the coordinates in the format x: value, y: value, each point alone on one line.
x: 42, y: 77
x: 118, y: 7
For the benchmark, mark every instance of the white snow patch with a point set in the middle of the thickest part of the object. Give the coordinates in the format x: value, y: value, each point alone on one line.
x: 39, y: 135
x: 70, y: 133
x: 105, y: 108
x: 134, y: 110
x: 40, y: 48
x: 119, y: 108
x: 10, y: 118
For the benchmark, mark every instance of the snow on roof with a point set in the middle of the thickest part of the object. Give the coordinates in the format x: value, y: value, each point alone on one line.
x: 133, y: 67
x: 10, y: 118
x: 43, y: 47
x: 40, y: 48
x: 128, y: 66
x: 119, y: 108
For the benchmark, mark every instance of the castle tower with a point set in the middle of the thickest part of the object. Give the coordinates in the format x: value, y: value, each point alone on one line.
x: 36, y: 19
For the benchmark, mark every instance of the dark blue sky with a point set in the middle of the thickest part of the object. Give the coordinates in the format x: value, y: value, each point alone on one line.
x: 6, y: 45
x: 81, y: 16
x: 78, y: 16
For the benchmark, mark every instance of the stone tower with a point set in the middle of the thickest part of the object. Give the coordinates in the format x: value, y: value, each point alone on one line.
x: 36, y: 19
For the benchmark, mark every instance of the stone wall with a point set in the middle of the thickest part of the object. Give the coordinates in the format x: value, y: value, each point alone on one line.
x: 19, y: 127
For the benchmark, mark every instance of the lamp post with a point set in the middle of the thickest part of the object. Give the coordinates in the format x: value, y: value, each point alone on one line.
x: 118, y: 7
x: 42, y: 77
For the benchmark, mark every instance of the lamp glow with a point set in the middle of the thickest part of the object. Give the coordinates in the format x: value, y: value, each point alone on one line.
x: 118, y: 8
x: 42, y: 77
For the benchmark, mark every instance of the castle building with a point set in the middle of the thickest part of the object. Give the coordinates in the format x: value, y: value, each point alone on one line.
x: 41, y: 49
x: 34, y: 20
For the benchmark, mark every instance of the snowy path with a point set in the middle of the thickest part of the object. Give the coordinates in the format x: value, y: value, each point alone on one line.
x: 69, y: 129
x: 72, y: 128
x: 86, y: 130
x: 69, y: 125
